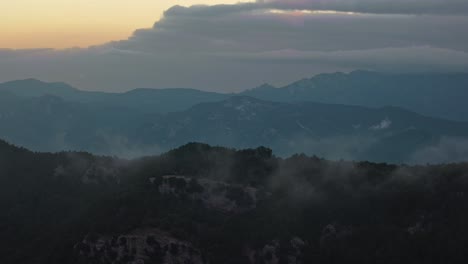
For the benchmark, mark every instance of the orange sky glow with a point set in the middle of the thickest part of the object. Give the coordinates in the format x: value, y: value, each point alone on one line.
x: 60, y: 24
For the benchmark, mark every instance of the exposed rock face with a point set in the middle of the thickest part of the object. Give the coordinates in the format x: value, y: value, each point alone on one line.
x: 333, y: 233
x: 275, y: 252
x: 422, y: 226
x: 137, y: 247
x: 230, y: 198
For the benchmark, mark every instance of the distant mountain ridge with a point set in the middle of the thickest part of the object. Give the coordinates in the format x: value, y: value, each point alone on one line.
x: 327, y: 130
x: 338, y: 116
x: 141, y: 99
x: 440, y: 95
x: 49, y: 123
x: 435, y: 94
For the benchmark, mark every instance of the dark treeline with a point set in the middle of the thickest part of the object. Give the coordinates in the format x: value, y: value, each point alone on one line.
x: 339, y: 211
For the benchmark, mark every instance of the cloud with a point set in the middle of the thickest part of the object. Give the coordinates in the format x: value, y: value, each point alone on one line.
x: 333, y: 147
x: 406, y: 7
x: 455, y: 7
x: 234, y: 47
x: 407, y: 59
x: 384, y: 124
x: 122, y: 147
x: 264, y: 30
x: 447, y: 150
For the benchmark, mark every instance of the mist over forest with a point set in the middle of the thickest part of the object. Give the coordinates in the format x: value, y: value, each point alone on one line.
x: 203, y: 204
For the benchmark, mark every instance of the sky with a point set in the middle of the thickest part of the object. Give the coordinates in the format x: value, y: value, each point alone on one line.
x: 78, y: 23
x: 121, y: 45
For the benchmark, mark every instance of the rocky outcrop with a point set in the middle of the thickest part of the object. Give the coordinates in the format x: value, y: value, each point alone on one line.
x: 138, y: 247
x: 229, y: 198
x: 275, y: 252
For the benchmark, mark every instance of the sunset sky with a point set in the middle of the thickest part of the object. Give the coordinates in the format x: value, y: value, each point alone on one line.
x: 78, y: 23
x: 118, y: 45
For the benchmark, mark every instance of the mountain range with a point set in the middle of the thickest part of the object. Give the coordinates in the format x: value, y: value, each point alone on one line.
x: 355, y: 116
x: 439, y: 95
x: 434, y: 94
x: 141, y: 99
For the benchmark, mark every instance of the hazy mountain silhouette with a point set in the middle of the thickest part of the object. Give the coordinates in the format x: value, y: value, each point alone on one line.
x: 148, y: 100
x: 433, y: 94
x: 328, y: 130
x: 50, y: 123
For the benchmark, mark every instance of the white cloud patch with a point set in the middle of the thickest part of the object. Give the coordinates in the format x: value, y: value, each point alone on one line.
x: 454, y: 7
x: 384, y: 124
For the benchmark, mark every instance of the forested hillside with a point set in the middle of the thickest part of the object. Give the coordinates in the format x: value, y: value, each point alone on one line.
x: 203, y: 204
